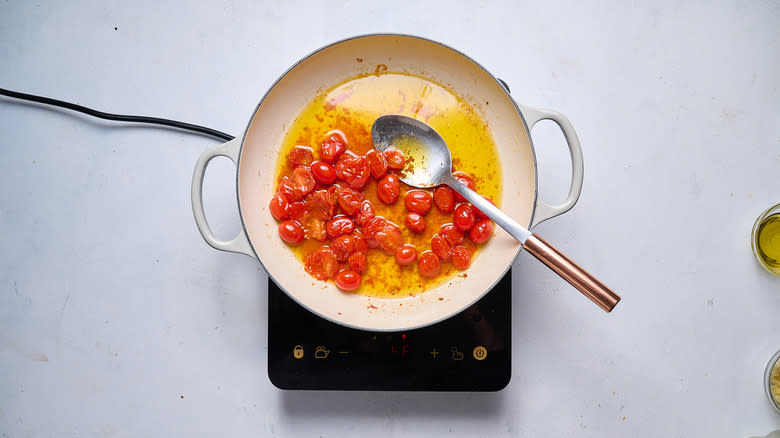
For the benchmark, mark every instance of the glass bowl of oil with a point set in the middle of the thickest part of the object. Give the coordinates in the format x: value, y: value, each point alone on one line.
x: 772, y: 380
x: 765, y: 239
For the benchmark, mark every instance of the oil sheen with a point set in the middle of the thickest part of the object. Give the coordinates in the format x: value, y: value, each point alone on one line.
x: 352, y: 107
x: 768, y: 241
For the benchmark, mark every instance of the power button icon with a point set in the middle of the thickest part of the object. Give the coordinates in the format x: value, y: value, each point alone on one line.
x: 479, y: 352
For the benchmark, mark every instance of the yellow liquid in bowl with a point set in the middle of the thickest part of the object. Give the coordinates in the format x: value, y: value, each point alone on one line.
x: 767, y: 243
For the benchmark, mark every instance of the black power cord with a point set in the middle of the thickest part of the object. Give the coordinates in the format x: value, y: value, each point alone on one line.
x: 117, y: 117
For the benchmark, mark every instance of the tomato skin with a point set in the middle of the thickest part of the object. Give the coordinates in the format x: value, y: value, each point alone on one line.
x: 323, y: 172
x: 321, y: 204
x: 322, y: 264
x: 332, y: 147
x: 287, y: 187
x: 279, y: 207
x: 353, y: 170
x: 415, y: 222
x: 365, y: 212
x: 381, y: 233
x: 453, y: 235
x: 395, y: 159
x: 303, y: 180
x: 461, y: 257
x: 343, y: 247
x: 297, y: 210
x: 418, y: 201
x: 428, y: 264
x: 388, y: 188
x: 291, y: 232
x: 348, y: 280
x: 339, y: 226
x: 463, y: 216
x: 405, y: 254
x: 360, y: 242
x: 377, y: 163
x: 481, y: 231
x: 445, y: 199
x: 357, y: 262
x: 349, y: 200
x: 300, y: 156
x: 441, y: 247
x: 314, y: 228
x: 466, y: 180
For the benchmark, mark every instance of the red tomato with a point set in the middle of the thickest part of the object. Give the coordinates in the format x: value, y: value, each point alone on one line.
x: 288, y: 188
x: 395, y: 159
x: 466, y: 180
x: 279, y: 207
x: 415, y: 222
x: 300, y: 156
x: 297, y: 210
x: 322, y: 263
x: 428, y: 264
x: 321, y: 205
x: 377, y: 163
x: 441, y: 247
x: 360, y: 243
x: 290, y: 231
x: 332, y: 147
x: 339, y: 226
x: 452, y: 234
x: 444, y: 198
x: 481, y: 231
x: 357, y: 262
x: 348, y: 280
x: 461, y: 257
x: 314, y: 228
x: 418, y: 201
x: 479, y: 213
x: 388, y: 188
x: 381, y: 233
x: 463, y: 216
x: 349, y: 200
x: 303, y: 180
x: 323, y: 172
x: 343, y: 247
x: 353, y: 170
x: 365, y: 212
x: 405, y: 254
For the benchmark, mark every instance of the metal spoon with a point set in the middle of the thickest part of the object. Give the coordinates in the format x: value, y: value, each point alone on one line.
x: 431, y: 166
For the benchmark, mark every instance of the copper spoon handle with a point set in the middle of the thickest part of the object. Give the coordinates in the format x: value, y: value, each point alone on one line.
x: 571, y: 272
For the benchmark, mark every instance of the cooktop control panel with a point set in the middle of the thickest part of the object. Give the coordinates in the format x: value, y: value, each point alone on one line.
x: 470, y: 351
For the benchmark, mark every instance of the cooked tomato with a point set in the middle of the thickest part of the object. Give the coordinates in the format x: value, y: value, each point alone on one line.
x: 478, y: 213
x: 415, y: 222
x: 428, y: 264
x: 349, y: 200
x: 481, y: 231
x: 303, y: 180
x: 395, y: 159
x: 339, y: 226
x: 279, y: 207
x: 463, y: 216
x: 452, y: 234
x: 357, y: 262
x: 297, y: 210
x: 405, y: 254
x: 348, y: 280
x: 418, y: 201
x: 314, y: 228
x: 365, y: 212
x: 353, y: 170
x: 381, y: 233
x: 444, y: 199
x: 360, y: 242
x: 291, y: 231
x: 289, y: 189
x: 300, y: 156
x: 377, y: 163
x: 388, y: 188
x: 441, y: 247
x: 321, y: 205
x: 332, y: 147
x: 343, y: 247
x: 322, y: 264
x: 323, y: 172
x: 461, y: 257
x: 466, y: 180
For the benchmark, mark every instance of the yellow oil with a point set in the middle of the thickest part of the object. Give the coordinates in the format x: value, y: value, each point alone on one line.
x: 768, y: 241
x: 352, y: 107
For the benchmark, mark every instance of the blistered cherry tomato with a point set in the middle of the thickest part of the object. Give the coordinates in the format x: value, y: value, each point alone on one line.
x: 466, y: 180
x: 314, y: 228
x: 300, y: 156
x: 348, y: 280
x: 388, y: 188
x: 357, y: 262
x: 290, y: 231
x: 323, y: 172
x: 349, y: 200
x: 353, y: 170
x: 332, y: 147
x: 461, y: 257
x: 377, y: 163
x: 463, y: 216
x: 322, y: 264
x: 289, y: 189
x: 279, y: 207
x: 428, y: 264
x: 444, y: 199
x: 339, y: 226
x: 343, y: 247
x: 405, y: 254
x: 321, y: 205
x: 441, y: 247
x: 395, y: 159
x: 452, y: 234
x: 297, y: 210
x: 365, y: 212
x: 381, y: 233
x: 418, y: 201
x: 360, y: 242
x: 303, y: 180
x: 481, y: 231
x: 415, y: 222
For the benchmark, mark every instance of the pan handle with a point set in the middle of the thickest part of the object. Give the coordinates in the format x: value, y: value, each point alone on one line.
x: 546, y: 211
x: 240, y: 244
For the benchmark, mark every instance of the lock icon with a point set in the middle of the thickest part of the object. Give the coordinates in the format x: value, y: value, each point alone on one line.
x: 298, y: 351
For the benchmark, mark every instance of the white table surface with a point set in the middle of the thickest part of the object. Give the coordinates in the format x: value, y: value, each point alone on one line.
x: 116, y: 319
